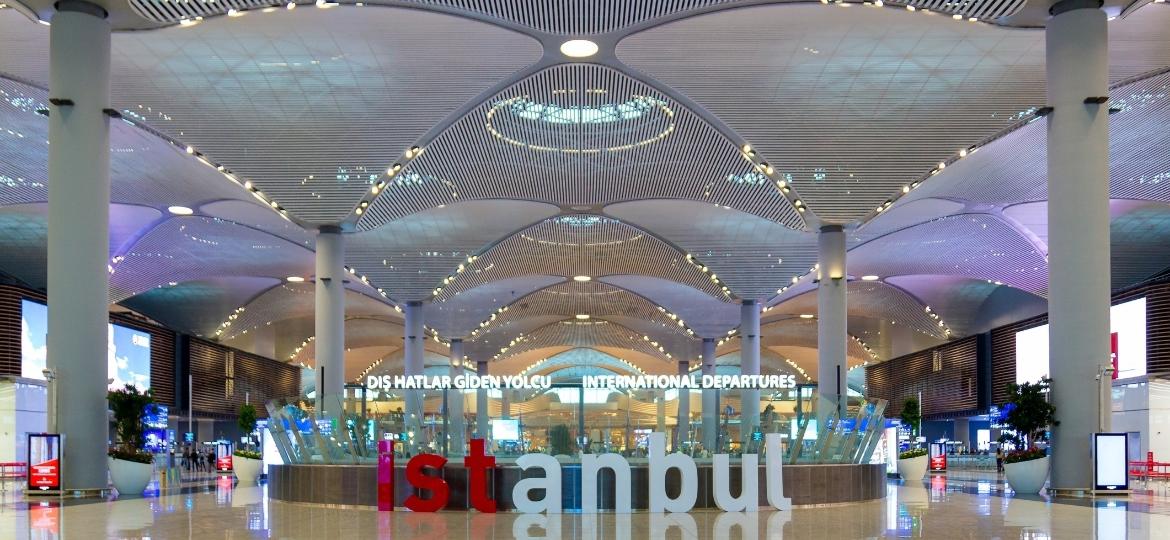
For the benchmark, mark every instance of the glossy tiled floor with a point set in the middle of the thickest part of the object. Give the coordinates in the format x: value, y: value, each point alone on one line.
x: 961, y: 506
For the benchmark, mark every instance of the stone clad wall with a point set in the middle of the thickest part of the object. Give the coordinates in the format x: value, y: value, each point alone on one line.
x: 356, y: 485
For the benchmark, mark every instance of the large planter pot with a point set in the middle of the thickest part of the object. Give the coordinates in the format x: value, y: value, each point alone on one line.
x: 247, y: 469
x: 913, y: 469
x: 130, y: 477
x: 1027, y: 476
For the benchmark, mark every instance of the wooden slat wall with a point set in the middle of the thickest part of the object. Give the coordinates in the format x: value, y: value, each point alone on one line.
x: 162, y: 342
x: 10, y: 328
x: 952, y: 390
x: 261, y: 379
x: 1003, y: 356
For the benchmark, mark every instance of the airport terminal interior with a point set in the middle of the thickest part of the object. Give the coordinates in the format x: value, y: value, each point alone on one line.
x: 585, y: 269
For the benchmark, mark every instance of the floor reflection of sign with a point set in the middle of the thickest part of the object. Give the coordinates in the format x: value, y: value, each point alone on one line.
x: 44, y: 520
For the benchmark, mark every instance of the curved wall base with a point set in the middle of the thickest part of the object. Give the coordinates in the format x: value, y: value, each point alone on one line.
x: 356, y: 485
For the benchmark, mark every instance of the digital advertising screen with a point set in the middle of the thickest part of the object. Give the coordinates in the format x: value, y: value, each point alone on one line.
x: 1127, y: 343
x: 1110, y: 465
x: 155, y: 424
x: 128, y: 358
x: 505, y: 429
x: 127, y: 349
x: 34, y: 331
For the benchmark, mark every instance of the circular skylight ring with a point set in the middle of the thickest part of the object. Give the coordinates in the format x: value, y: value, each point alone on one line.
x: 636, y: 108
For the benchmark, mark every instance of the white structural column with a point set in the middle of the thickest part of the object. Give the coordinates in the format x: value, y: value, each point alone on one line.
x: 455, y: 424
x: 414, y: 349
x: 78, y: 250
x: 660, y: 412
x: 329, y: 321
x: 832, y: 325
x: 1078, y: 230
x: 710, y: 400
x: 482, y: 427
x: 749, y: 364
x: 683, y: 425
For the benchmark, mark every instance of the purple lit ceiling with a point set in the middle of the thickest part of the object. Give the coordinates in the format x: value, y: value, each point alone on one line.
x: 630, y: 169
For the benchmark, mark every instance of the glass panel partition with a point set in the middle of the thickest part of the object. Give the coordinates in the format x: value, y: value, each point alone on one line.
x: 567, y: 420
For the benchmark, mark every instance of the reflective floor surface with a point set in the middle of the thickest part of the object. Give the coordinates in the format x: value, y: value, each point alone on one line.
x: 969, y: 505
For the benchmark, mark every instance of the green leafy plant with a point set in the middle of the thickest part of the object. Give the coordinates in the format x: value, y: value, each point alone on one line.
x: 129, y: 408
x: 912, y: 453
x: 1029, y: 415
x: 559, y: 441
x: 1017, y: 456
x: 246, y: 419
x: 912, y: 416
x: 250, y: 454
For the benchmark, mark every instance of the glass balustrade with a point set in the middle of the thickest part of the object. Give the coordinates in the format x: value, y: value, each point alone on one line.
x: 567, y: 420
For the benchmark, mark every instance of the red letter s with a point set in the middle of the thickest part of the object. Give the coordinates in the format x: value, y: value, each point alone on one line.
x: 436, y: 485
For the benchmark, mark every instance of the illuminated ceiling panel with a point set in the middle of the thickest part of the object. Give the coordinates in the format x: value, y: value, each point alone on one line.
x: 411, y: 256
x: 580, y: 136
x: 299, y: 102
x: 580, y: 245
x: 855, y: 103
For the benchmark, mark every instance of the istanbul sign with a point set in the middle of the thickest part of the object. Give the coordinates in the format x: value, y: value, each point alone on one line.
x: 479, y: 469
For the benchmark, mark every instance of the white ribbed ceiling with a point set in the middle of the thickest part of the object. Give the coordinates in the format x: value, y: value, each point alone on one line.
x: 855, y: 103
x: 595, y: 301
x: 534, y: 171
x: 580, y: 136
x: 411, y: 256
x: 579, y: 245
x: 310, y: 105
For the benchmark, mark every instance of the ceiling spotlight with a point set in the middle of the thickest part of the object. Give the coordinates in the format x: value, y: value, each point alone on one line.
x: 807, y: 315
x: 579, y: 48
x: 582, y: 317
x: 870, y: 277
x: 581, y: 279
x: 180, y: 210
x: 294, y: 279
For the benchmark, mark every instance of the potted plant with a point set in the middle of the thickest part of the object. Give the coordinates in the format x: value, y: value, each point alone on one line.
x: 912, y: 463
x: 1029, y: 414
x: 130, y: 466
x: 247, y: 463
x: 559, y: 441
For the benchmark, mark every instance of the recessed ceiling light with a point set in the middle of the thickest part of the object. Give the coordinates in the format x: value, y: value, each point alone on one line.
x: 807, y: 315
x: 582, y: 316
x: 180, y: 210
x: 578, y: 48
x: 294, y: 279
x: 870, y: 277
x: 581, y: 278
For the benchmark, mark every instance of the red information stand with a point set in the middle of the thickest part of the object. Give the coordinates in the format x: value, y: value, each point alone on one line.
x: 223, y: 458
x: 938, y: 457
x: 44, y: 463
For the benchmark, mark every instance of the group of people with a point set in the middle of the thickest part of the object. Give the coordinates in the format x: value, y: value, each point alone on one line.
x: 196, y: 461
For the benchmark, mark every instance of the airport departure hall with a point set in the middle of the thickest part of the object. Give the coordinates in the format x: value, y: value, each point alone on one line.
x: 584, y: 269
